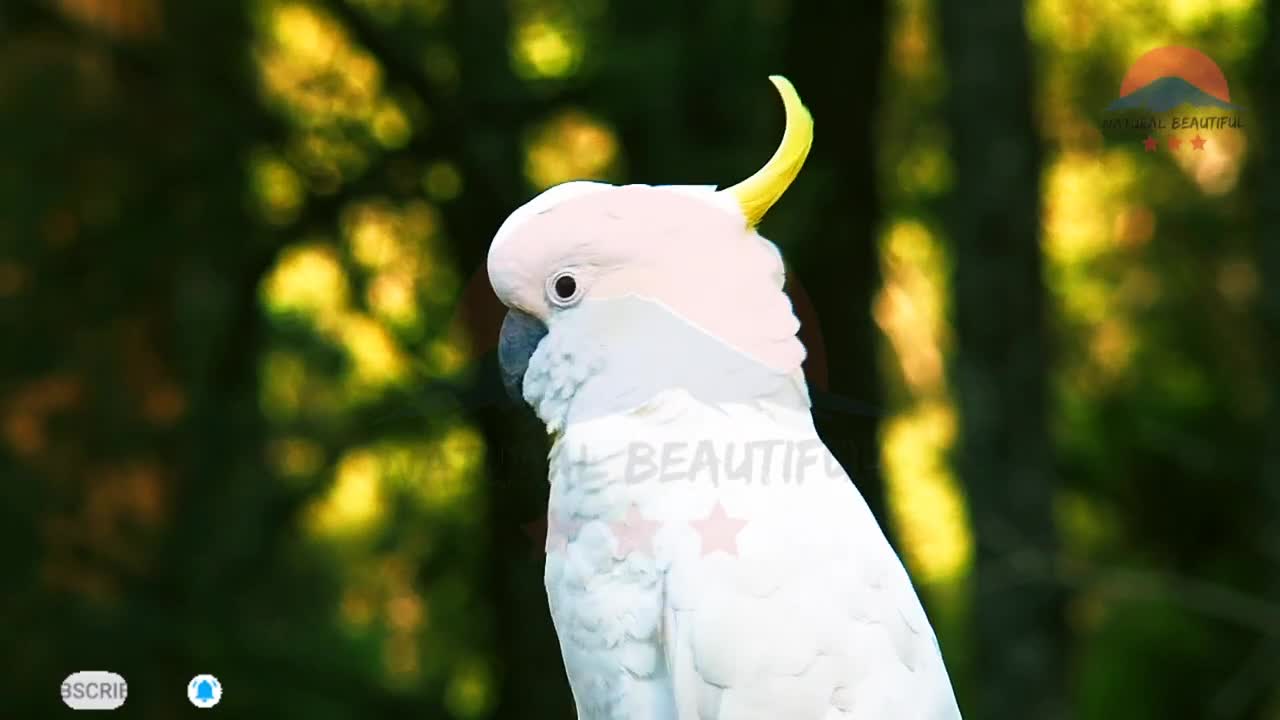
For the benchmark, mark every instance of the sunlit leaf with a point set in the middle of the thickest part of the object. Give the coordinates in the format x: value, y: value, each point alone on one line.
x: 470, y: 693
x: 546, y: 49
x: 355, y: 503
x: 928, y: 509
x: 571, y: 146
x: 277, y: 188
x: 308, y: 279
x: 442, y: 181
x: 910, y: 308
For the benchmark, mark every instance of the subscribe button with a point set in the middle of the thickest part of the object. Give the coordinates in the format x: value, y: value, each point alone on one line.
x: 94, y: 690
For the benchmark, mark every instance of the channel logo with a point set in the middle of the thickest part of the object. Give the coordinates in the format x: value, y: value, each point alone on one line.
x: 94, y: 690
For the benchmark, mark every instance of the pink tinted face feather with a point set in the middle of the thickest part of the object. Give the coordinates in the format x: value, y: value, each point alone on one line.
x: 634, y: 228
x: 682, y: 248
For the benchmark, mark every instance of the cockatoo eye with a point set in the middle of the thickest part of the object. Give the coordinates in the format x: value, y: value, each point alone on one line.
x: 563, y: 289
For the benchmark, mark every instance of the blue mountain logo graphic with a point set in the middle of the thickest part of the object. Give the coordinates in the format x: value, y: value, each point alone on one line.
x: 1165, y: 94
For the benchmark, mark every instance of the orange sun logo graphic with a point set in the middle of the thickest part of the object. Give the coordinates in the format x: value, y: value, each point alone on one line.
x: 1183, y: 63
x: 1173, y: 88
x: 1170, y: 77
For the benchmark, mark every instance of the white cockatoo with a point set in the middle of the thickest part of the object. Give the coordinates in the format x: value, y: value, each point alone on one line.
x: 707, y: 557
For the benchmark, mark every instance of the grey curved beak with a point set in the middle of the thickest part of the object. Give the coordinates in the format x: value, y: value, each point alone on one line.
x: 517, y: 340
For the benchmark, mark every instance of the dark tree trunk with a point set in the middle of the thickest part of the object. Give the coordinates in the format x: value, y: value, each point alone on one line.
x: 999, y: 367
x: 1269, y: 247
x: 833, y: 255
x: 532, y: 680
x: 707, y: 115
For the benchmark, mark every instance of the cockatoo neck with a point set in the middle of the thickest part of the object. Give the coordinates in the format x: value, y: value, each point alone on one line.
x: 624, y: 354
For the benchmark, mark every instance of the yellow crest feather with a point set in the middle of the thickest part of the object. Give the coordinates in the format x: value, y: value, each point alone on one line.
x: 758, y: 193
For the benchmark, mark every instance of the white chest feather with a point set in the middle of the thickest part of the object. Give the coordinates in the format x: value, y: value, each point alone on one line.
x: 715, y: 563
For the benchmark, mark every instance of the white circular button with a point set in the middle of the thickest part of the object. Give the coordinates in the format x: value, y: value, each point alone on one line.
x: 204, y: 691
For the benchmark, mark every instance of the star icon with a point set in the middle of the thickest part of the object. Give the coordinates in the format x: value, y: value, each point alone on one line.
x: 1197, y: 142
x: 1150, y: 144
x: 719, y: 531
x: 634, y: 533
x: 1174, y: 142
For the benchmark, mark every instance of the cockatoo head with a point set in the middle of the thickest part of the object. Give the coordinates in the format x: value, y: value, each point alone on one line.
x: 621, y: 282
